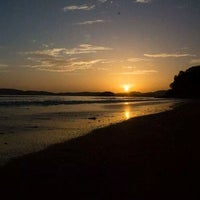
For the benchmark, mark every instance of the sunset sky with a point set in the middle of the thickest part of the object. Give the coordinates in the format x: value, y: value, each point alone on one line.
x: 97, y: 45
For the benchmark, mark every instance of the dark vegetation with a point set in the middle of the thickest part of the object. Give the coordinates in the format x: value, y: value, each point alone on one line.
x: 186, y: 84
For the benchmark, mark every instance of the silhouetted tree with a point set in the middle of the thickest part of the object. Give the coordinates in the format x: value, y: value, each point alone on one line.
x: 186, y: 84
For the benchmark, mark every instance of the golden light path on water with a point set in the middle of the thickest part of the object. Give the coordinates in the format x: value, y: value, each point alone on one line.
x: 127, y: 113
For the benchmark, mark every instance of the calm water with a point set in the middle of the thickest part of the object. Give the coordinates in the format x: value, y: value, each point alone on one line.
x: 31, y: 123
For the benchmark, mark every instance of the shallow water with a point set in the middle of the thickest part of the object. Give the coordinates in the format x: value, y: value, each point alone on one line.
x: 29, y: 124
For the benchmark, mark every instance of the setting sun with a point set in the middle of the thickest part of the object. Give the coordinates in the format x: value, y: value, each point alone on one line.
x: 126, y: 88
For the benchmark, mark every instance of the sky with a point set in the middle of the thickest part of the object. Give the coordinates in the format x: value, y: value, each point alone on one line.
x: 97, y: 45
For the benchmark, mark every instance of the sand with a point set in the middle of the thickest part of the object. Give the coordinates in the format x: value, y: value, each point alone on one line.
x: 149, y: 157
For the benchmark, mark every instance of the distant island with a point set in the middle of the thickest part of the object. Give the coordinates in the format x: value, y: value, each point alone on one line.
x: 185, y: 85
x: 4, y: 91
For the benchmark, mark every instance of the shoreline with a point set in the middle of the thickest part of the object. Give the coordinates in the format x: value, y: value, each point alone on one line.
x: 31, y: 130
x: 153, y: 156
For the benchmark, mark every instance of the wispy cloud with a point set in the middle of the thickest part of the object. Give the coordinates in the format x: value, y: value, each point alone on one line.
x: 3, y: 68
x: 137, y: 72
x: 103, y: 1
x: 142, y: 1
x: 81, y: 49
x: 3, y: 65
x: 165, y: 55
x: 137, y: 59
x: 60, y: 60
x: 55, y: 52
x: 87, y: 63
x: 195, y: 61
x: 63, y: 65
x: 102, y: 69
x: 45, y: 45
x: 78, y: 7
x: 129, y: 67
x: 91, y: 22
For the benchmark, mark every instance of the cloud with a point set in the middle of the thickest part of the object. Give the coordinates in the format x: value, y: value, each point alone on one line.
x: 3, y: 68
x: 129, y: 67
x: 137, y: 59
x: 59, y: 59
x: 3, y: 65
x: 87, y: 63
x: 91, y: 22
x: 137, y: 72
x: 103, y: 1
x: 195, y: 61
x: 63, y: 65
x: 165, y: 55
x: 55, y: 52
x: 102, y: 69
x: 142, y: 1
x: 81, y: 49
x: 45, y: 45
x: 80, y: 7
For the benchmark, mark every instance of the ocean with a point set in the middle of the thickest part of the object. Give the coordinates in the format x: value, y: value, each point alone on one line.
x: 32, y: 123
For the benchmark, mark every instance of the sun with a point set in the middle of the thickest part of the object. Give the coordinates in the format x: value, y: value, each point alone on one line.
x: 126, y: 88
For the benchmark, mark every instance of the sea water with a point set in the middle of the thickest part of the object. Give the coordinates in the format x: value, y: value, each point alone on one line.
x: 32, y: 123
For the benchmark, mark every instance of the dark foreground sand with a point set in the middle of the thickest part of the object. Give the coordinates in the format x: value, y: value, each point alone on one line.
x: 151, y: 157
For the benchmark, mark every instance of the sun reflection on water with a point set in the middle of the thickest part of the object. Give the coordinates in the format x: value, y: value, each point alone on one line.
x: 127, y: 110
x: 127, y: 114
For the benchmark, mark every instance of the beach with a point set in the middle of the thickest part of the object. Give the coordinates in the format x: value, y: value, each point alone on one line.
x: 32, y: 123
x: 148, y: 157
x: 99, y: 99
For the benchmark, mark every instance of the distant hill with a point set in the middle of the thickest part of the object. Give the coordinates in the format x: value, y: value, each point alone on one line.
x: 86, y: 94
x: 186, y: 84
x: 108, y: 94
x: 78, y: 93
x: 21, y: 92
x: 159, y: 93
x: 4, y: 91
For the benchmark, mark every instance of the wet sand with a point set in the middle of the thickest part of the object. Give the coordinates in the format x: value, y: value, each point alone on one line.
x: 149, y: 157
